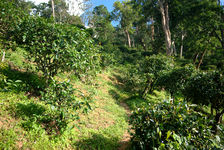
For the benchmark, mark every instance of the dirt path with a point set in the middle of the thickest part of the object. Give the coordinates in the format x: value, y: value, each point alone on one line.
x: 125, y: 142
x: 116, y: 82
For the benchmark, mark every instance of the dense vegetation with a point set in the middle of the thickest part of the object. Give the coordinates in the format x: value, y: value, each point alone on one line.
x: 69, y: 83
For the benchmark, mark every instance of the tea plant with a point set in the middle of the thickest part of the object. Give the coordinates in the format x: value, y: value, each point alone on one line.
x: 207, y: 88
x: 56, y: 48
x: 64, y: 105
x: 172, y: 126
x: 175, y: 80
x: 151, y: 70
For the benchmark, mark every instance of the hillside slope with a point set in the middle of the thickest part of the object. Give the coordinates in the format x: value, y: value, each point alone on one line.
x: 104, y: 127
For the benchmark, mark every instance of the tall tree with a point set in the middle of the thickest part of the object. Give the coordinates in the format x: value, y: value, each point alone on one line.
x: 53, y: 10
x: 124, y: 12
x: 101, y: 22
x: 164, y: 9
x: 156, y: 12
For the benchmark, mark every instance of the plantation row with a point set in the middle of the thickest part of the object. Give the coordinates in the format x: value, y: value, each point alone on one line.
x: 179, y: 122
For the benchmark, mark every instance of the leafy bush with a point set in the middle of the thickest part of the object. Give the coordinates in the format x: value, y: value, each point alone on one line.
x: 142, y: 77
x: 3, y: 68
x: 57, y: 48
x: 2, y: 80
x: 10, y: 16
x: 174, y: 81
x: 60, y: 96
x: 207, y: 88
x: 172, y: 126
x: 151, y: 69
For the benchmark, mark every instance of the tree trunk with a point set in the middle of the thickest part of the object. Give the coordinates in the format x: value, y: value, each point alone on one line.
x: 146, y: 89
x: 3, y: 56
x: 152, y: 29
x: 195, y: 58
x: 201, y: 59
x: 212, y: 111
x: 128, y: 37
x: 133, y: 42
x: 218, y: 120
x: 174, y: 48
x: 143, y: 44
x: 165, y: 23
x: 53, y: 12
x: 182, y: 44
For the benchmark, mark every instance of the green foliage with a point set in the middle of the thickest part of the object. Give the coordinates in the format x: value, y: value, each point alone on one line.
x: 57, y: 48
x: 174, y: 81
x: 18, y: 81
x: 2, y: 80
x: 60, y: 96
x: 18, y: 59
x: 172, y: 126
x: 206, y: 88
x: 10, y: 17
x: 102, y: 24
x: 3, y: 68
x: 154, y: 65
x: 7, y: 138
x: 151, y: 69
x: 124, y: 13
x: 143, y: 73
x: 156, y: 97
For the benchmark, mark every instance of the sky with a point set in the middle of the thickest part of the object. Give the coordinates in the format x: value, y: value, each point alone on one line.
x: 107, y: 3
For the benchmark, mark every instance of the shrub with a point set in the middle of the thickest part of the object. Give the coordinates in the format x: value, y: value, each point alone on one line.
x: 171, y: 126
x: 60, y: 96
x: 56, y: 48
x: 2, y: 80
x: 3, y: 68
x: 10, y: 16
x: 207, y: 88
x: 8, y: 138
x: 174, y: 81
x: 151, y: 69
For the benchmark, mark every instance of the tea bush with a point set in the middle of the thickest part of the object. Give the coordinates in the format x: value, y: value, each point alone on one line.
x: 56, y: 48
x: 172, y: 126
x: 3, y: 67
x: 151, y: 69
x: 207, y: 88
x: 64, y: 105
x: 175, y: 80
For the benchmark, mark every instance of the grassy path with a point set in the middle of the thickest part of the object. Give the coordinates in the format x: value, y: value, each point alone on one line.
x: 106, y: 127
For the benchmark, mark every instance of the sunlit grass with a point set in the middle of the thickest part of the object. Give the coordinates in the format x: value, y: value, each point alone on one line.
x: 102, y: 128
